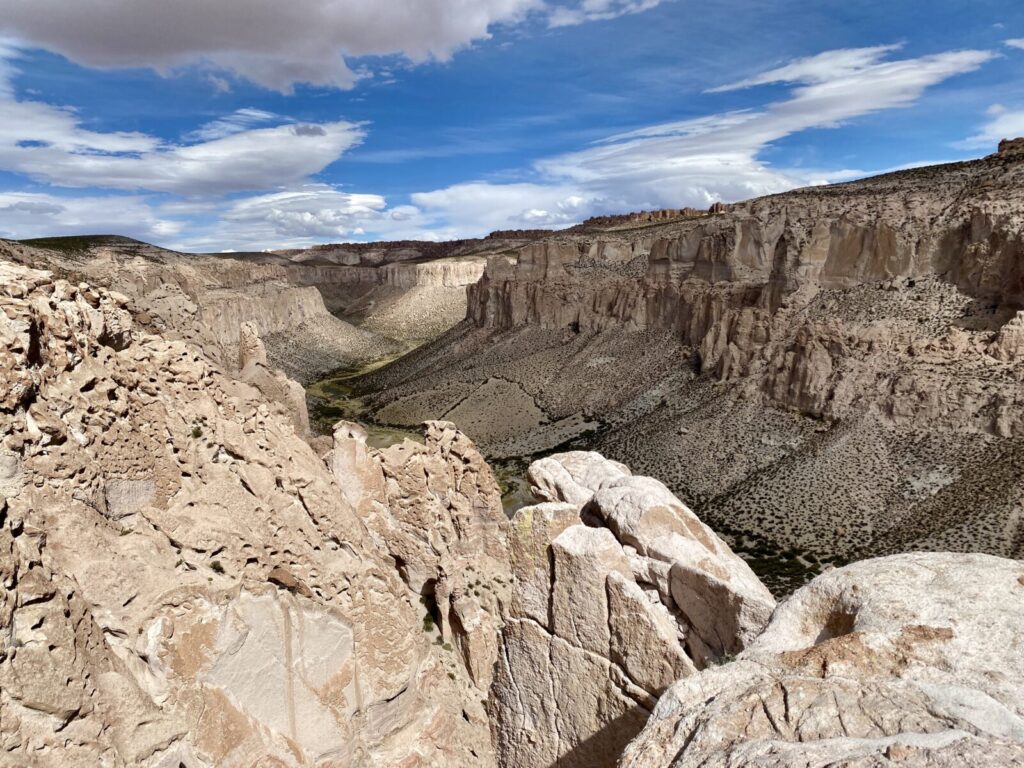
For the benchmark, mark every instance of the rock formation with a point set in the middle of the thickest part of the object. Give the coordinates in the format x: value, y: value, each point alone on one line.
x: 767, y: 359
x: 618, y: 591
x: 205, y: 300
x: 905, y: 660
x: 182, y: 580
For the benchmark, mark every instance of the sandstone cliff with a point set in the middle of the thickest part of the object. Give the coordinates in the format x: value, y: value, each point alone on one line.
x: 826, y: 374
x: 185, y: 582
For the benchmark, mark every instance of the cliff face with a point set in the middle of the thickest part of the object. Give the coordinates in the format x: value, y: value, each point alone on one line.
x: 185, y: 582
x: 205, y: 299
x: 723, y: 279
x: 757, y: 356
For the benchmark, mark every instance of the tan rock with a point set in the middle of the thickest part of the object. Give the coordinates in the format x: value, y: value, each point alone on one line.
x: 182, y: 580
x: 595, y: 632
x: 911, y: 659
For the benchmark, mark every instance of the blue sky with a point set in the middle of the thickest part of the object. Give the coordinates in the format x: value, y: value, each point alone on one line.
x: 252, y: 124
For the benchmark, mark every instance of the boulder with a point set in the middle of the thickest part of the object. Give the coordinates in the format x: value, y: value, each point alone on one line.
x: 912, y: 659
x: 619, y: 590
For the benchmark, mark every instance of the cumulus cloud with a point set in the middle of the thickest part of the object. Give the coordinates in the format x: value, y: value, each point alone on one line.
x: 31, y: 214
x: 1017, y: 42
x: 275, y: 44
x: 689, y: 162
x: 479, y: 207
x: 312, y: 211
x: 49, y: 144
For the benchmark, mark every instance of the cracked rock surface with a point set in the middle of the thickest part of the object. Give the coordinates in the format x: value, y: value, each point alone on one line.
x: 619, y: 590
x: 906, y: 660
x: 183, y: 582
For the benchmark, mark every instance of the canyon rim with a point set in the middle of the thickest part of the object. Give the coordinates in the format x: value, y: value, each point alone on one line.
x: 299, y: 475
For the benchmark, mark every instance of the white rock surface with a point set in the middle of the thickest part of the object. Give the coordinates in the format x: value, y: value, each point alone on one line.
x: 912, y: 660
x: 619, y: 591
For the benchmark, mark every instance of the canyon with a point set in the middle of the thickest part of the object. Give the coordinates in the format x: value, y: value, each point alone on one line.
x: 825, y: 375
x: 709, y: 408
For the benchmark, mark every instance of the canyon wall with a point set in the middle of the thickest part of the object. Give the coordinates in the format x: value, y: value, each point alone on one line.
x: 205, y: 299
x: 736, y: 286
x: 763, y: 358
x: 186, y: 582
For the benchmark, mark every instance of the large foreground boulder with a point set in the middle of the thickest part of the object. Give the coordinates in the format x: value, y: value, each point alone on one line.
x: 913, y: 660
x: 619, y: 590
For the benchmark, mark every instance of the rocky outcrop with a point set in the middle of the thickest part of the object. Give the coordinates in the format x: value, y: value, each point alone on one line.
x: 618, y: 591
x: 826, y: 374
x: 909, y: 660
x: 436, y: 509
x: 183, y: 581
x: 204, y: 300
x: 273, y: 385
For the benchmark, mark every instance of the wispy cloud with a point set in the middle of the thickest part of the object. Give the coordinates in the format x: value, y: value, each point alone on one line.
x: 698, y: 161
x: 1017, y: 42
x: 825, y: 67
x: 237, y: 122
x: 1002, y: 123
x: 50, y: 144
x: 597, y: 10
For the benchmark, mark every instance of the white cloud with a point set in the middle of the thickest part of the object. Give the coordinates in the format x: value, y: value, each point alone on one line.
x: 477, y: 208
x: 691, y: 162
x: 50, y: 144
x: 1017, y: 42
x: 299, y: 216
x: 237, y: 122
x: 312, y: 211
x: 696, y: 162
x: 822, y: 68
x: 1003, y: 123
x: 597, y: 10
x: 30, y: 214
x: 273, y: 43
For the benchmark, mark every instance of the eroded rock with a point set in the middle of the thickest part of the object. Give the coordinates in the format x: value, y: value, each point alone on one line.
x: 619, y: 590
x: 912, y: 659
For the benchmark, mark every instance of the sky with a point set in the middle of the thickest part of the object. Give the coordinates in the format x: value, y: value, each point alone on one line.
x: 261, y: 124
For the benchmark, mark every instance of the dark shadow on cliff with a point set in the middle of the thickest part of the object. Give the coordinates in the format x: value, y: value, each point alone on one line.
x: 604, y: 748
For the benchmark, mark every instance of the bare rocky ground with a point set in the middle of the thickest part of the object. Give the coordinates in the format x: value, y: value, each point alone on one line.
x: 826, y: 375
x: 189, y: 578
